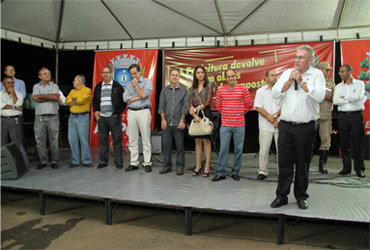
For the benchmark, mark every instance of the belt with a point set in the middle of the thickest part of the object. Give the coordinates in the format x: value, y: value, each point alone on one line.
x: 13, y: 116
x: 82, y: 113
x: 136, y: 109
x: 298, y: 123
x: 48, y: 115
x: 351, y: 112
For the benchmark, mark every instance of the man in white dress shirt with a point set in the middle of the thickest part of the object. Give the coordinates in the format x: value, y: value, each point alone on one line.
x: 348, y: 96
x: 301, y: 89
x: 268, y: 110
x: 11, y: 110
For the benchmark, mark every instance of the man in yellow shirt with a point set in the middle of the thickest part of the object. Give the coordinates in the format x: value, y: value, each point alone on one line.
x: 79, y: 101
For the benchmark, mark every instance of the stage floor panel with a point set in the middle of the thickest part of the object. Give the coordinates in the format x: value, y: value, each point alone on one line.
x: 331, y: 197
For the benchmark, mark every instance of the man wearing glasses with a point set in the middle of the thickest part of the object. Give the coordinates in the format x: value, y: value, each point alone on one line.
x: 19, y: 86
x: 108, y: 106
x: 46, y: 97
x: 301, y: 90
x: 11, y: 110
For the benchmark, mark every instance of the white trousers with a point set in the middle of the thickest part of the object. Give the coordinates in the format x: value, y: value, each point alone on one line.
x: 139, y: 121
x: 265, y: 139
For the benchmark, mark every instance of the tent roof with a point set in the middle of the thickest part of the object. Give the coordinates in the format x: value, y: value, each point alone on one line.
x: 158, y: 23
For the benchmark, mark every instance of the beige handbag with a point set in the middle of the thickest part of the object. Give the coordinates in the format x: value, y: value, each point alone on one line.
x: 204, y: 127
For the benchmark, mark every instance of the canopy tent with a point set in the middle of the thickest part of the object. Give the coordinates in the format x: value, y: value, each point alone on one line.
x: 115, y: 24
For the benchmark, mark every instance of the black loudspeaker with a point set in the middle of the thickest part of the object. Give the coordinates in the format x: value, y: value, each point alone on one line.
x: 14, y: 161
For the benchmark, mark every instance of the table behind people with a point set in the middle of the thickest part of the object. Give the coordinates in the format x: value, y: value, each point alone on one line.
x: 301, y: 89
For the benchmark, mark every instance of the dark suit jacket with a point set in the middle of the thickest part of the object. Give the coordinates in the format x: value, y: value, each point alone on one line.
x: 117, y: 98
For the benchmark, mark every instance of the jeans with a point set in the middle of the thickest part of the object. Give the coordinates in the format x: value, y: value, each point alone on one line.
x: 238, y: 134
x: 78, y: 134
x: 173, y: 132
x: 47, y: 126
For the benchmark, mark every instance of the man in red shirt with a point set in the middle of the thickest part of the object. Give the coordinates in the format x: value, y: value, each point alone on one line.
x: 232, y: 101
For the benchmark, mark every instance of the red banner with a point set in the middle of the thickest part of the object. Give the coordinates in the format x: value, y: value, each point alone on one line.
x: 249, y: 62
x: 356, y: 53
x: 119, y: 61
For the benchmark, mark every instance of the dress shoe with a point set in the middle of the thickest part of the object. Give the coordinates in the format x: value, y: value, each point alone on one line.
x: 131, y: 168
x: 119, y: 165
x: 148, y: 168
x: 344, y: 172
x: 102, y: 165
x: 302, y: 204
x: 278, y: 203
x: 218, y: 178
x: 235, y: 177
x: 180, y: 171
x: 41, y: 166
x: 261, y: 177
x: 360, y: 174
x: 73, y: 166
x: 88, y: 165
x: 54, y: 166
x: 165, y: 170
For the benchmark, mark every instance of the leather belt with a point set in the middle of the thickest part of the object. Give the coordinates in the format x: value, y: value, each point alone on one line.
x: 8, y: 117
x: 298, y: 123
x: 351, y: 112
x: 82, y: 113
x: 136, y: 109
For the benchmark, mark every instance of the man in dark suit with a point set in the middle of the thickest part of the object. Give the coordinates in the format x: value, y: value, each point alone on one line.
x: 107, y: 107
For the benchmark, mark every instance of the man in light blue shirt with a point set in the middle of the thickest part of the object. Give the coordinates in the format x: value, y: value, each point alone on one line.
x: 138, y: 94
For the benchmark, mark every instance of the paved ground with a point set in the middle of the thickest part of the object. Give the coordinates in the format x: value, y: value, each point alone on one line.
x: 79, y: 224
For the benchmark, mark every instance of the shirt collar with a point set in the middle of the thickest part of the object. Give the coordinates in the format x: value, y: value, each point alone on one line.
x: 178, y: 87
x: 109, y: 83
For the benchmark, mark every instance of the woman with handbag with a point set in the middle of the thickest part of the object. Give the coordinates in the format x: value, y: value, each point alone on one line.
x: 200, y: 100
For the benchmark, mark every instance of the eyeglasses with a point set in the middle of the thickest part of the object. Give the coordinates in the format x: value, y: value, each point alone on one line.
x: 9, y: 82
x: 105, y: 72
x: 45, y: 73
x: 300, y: 57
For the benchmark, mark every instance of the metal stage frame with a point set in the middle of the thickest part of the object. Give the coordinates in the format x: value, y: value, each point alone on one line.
x: 332, y: 198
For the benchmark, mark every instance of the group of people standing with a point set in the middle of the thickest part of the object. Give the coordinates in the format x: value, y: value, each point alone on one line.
x: 290, y: 108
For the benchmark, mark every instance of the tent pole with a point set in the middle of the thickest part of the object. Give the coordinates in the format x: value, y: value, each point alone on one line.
x: 57, y: 63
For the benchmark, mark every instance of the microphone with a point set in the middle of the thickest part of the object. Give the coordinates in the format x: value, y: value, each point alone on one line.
x: 295, y: 80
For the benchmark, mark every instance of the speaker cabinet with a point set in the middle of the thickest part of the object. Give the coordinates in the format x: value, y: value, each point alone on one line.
x: 14, y: 161
x: 156, y: 140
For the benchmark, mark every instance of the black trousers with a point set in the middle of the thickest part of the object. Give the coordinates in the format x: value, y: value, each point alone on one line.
x: 351, y: 133
x: 295, y: 144
x: 114, y: 125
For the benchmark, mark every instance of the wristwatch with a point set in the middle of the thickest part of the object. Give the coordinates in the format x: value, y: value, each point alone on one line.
x: 275, y: 116
x: 182, y: 121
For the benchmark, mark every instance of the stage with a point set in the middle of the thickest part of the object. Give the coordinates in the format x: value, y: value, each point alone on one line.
x: 332, y: 197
